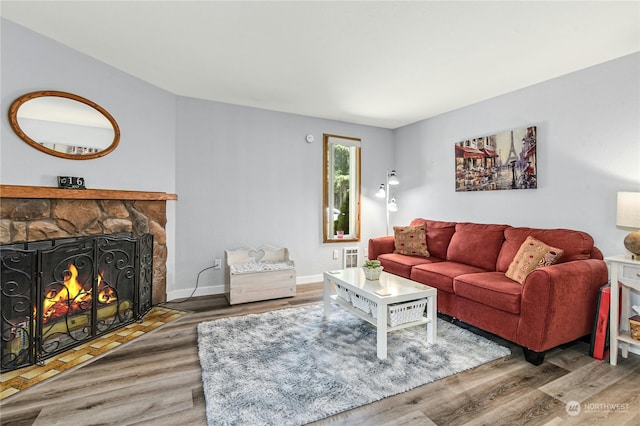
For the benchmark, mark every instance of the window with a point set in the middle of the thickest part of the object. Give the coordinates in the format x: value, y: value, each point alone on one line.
x: 341, y: 208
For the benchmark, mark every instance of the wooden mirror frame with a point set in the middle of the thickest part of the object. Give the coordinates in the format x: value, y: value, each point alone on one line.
x: 354, y: 187
x: 13, y: 121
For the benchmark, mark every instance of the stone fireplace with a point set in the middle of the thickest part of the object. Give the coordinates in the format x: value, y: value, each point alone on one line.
x: 92, y: 231
x: 30, y: 213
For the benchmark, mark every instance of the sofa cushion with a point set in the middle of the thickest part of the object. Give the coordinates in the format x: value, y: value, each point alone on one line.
x: 438, y: 235
x: 493, y: 289
x: 400, y: 264
x: 576, y: 245
x: 440, y: 275
x: 531, y: 255
x: 476, y: 244
x: 411, y: 240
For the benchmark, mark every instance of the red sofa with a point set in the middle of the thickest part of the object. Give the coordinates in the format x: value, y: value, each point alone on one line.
x: 467, y: 264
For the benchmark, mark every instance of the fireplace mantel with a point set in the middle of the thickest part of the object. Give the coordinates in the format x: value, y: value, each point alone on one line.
x: 18, y: 191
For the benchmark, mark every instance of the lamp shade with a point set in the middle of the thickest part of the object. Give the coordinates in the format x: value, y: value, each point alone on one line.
x: 392, y: 206
x: 628, y: 211
x: 393, y: 179
x: 381, y: 193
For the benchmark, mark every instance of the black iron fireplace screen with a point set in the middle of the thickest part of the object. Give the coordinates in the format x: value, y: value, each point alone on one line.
x: 57, y: 294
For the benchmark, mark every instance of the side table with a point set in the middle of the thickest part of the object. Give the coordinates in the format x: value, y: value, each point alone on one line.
x: 625, y: 272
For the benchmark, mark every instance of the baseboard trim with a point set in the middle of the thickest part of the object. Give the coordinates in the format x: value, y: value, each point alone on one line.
x: 200, y: 291
x: 219, y: 289
x: 309, y: 279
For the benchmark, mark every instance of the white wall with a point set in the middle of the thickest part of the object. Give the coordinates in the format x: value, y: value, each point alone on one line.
x: 145, y: 114
x: 163, y: 136
x: 588, y: 148
x: 246, y: 176
x: 144, y: 158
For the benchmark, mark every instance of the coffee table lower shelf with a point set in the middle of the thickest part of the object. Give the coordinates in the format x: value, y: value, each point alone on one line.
x: 373, y: 321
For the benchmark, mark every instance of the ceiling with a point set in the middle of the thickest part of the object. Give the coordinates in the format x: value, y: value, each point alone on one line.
x: 382, y: 63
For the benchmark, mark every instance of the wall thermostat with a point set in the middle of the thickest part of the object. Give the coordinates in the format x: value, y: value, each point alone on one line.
x: 310, y: 138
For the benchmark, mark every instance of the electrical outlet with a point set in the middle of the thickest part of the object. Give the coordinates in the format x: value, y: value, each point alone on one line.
x: 336, y: 254
x: 217, y: 263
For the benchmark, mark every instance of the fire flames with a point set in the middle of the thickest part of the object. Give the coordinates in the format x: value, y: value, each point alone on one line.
x: 72, y: 297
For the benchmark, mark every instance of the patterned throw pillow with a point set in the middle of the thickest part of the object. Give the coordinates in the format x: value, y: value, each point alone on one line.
x: 411, y: 240
x: 531, y: 255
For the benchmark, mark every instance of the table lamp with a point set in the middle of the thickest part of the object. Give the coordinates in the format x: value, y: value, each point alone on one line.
x: 628, y: 216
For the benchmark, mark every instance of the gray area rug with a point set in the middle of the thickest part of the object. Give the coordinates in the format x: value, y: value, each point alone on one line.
x: 289, y: 367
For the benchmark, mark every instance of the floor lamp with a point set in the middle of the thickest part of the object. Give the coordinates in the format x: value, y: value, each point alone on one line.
x: 384, y: 192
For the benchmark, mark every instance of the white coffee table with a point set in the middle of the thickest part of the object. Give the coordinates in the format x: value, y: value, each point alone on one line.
x: 399, y: 290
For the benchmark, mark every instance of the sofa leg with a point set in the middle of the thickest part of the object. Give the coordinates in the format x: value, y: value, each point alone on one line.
x: 535, y: 358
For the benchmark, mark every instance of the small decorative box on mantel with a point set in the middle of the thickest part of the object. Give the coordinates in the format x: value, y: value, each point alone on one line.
x: 70, y: 182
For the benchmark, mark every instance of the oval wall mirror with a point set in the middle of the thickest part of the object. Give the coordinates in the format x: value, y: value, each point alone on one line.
x: 64, y: 125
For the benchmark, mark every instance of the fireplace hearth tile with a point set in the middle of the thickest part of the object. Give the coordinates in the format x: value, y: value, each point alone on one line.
x: 74, y: 357
x: 98, y: 344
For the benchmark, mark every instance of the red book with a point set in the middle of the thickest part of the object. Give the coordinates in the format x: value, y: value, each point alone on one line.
x: 600, y: 336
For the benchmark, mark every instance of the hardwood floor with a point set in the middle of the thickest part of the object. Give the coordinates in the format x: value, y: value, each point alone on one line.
x: 155, y: 380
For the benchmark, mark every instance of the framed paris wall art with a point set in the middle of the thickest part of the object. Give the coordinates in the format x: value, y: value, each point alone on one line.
x: 505, y: 160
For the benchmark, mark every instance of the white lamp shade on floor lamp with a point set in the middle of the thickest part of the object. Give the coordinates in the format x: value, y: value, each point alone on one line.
x: 392, y: 206
x: 393, y: 179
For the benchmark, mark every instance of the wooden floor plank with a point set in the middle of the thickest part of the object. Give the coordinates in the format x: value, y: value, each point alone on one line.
x: 500, y: 393
x: 156, y: 380
x: 528, y: 407
x: 116, y: 408
x: 589, y: 380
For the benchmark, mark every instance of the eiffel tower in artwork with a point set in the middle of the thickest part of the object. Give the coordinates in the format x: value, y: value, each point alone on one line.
x: 512, y: 152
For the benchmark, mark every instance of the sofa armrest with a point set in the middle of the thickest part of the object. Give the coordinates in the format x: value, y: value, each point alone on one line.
x: 380, y: 245
x: 559, y: 303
